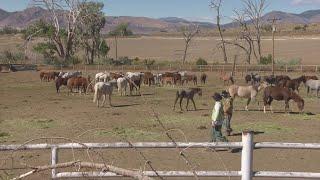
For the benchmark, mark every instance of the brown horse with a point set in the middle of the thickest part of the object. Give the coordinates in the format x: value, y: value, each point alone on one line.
x: 294, y: 84
x: 188, y: 94
x: 175, y: 75
x: 281, y: 94
x: 226, y: 78
x: 148, y: 78
x: 189, y: 77
x: 80, y: 83
x: 59, y: 82
x: 166, y: 80
x: 48, y: 75
x: 116, y: 75
x: 203, y: 78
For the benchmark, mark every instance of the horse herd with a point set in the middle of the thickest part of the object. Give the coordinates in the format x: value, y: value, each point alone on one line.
x: 280, y: 88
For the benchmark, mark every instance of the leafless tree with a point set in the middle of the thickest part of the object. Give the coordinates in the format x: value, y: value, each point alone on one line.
x: 188, y: 33
x: 254, y: 11
x: 70, y: 11
x: 216, y: 5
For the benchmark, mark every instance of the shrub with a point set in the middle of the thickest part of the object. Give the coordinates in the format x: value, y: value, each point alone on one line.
x: 200, y: 61
x: 266, y: 59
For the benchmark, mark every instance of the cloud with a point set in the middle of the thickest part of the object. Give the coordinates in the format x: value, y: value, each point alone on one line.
x: 200, y: 19
x: 304, y: 2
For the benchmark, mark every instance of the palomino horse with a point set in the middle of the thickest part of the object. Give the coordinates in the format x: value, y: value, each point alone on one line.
x: 247, y: 92
x: 102, y: 89
x: 281, y: 94
x: 102, y: 77
x: 226, y: 78
x: 188, y: 94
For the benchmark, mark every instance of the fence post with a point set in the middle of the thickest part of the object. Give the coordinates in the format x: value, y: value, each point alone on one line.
x: 301, y: 68
x: 247, y: 155
x: 54, y: 160
x: 316, y: 68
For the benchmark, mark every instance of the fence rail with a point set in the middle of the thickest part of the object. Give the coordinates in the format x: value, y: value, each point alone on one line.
x: 246, y: 173
x: 202, y: 68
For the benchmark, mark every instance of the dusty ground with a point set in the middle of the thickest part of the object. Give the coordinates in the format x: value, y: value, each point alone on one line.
x: 30, y: 109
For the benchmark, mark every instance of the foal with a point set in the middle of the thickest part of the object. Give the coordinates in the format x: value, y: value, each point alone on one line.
x: 188, y: 94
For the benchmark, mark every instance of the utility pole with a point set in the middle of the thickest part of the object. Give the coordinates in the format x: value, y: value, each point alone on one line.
x: 274, y: 20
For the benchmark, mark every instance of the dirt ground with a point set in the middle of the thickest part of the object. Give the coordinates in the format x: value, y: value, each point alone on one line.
x: 30, y: 109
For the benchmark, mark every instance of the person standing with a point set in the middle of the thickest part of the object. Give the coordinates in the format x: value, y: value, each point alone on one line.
x: 217, y: 119
x: 228, y: 110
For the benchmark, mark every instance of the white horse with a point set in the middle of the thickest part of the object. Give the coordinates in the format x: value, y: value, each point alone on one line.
x: 70, y: 74
x: 313, y: 85
x: 247, y: 92
x: 102, y: 77
x: 102, y: 89
x: 122, y: 86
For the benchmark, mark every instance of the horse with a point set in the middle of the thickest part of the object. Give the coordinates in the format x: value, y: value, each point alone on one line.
x: 281, y: 79
x: 293, y: 84
x: 48, y: 76
x: 122, y: 84
x: 248, y: 92
x: 116, y: 75
x: 80, y: 83
x: 281, y: 94
x: 148, y: 78
x: 226, y: 78
x: 203, y: 78
x: 271, y: 80
x: 189, y: 77
x: 102, y: 77
x: 253, y: 78
x: 177, y: 78
x: 59, y: 82
x: 102, y: 89
x: 166, y: 80
x: 70, y: 74
x: 134, y: 80
x: 188, y: 94
x: 313, y: 85
x: 311, y: 77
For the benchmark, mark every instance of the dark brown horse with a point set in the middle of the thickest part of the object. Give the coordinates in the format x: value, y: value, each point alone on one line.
x: 203, y: 78
x: 281, y: 79
x: 48, y: 75
x: 189, y: 95
x: 281, y: 94
x: 189, y: 77
x: 148, y: 78
x: 60, y: 82
x: 293, y: 84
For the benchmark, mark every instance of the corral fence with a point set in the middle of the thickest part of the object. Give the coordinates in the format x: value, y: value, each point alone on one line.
x: 246, y: 173
x: 196, y: 68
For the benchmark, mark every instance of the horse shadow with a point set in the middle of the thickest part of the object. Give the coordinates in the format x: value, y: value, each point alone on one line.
x: 146, y: 94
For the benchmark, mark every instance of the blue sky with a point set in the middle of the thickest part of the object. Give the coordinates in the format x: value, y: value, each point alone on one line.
x: 189, y: 9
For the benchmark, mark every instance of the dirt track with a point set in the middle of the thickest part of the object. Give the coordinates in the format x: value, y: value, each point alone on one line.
x: 30, y: 109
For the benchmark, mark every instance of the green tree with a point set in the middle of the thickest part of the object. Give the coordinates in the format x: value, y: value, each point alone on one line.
x: 92, y: 22
x: 122, y: 30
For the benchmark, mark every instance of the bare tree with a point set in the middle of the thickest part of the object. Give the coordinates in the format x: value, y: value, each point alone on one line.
x: 70, y: 11
x: 254, y: 11
x: 216, y: 5
x: 188, y: 33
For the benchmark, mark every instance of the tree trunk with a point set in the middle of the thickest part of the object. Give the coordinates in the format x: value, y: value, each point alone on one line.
x: 116, y: 44
x: 222, y: 39
x: 185, y: 52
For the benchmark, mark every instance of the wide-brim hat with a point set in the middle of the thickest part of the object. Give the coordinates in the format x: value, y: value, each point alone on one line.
x: 217, y: 97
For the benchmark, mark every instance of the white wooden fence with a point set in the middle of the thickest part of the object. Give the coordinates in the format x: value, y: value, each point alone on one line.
x: 246, y: 172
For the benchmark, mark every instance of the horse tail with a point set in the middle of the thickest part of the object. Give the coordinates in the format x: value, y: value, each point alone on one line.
x: 95, y: 94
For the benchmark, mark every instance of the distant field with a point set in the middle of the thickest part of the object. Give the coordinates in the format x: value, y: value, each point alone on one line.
x: 170, y: 48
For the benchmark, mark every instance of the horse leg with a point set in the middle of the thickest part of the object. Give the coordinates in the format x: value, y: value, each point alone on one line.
x: 194, y: 104
x: 187, y: 103
x: 110, y: 100
x: 287, y: 106
x: 175, y: 102
x: 248, y: 102
x: 181, y: 98
x: 104, y: 99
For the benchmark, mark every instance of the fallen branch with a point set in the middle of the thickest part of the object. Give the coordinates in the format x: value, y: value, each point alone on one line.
x: 102, y: 166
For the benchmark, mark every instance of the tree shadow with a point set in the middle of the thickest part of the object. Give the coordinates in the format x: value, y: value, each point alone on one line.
x: 125, y: 105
